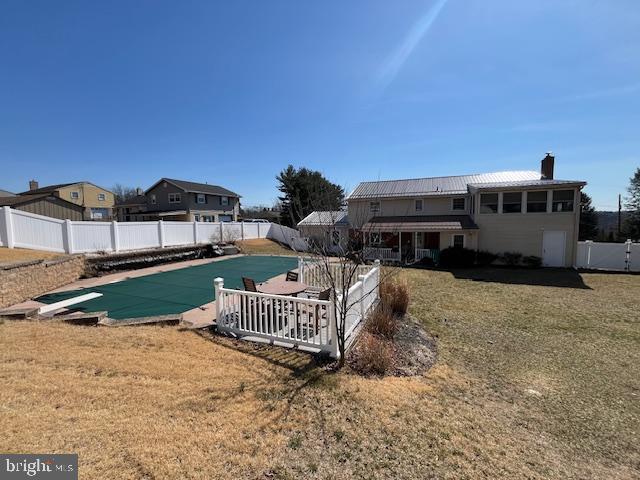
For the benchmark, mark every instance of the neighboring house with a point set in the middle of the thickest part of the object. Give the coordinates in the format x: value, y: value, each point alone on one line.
x: 330, y: 229
x: 520, y: 211
x: 179, y: 200
x: 97, y: 202
x: 44, y: 204
x: 5, y: 193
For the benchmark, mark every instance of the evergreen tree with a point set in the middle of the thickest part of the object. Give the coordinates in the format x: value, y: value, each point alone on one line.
x: 588, y: 218
x: 305, y: 191
x: 632, y: 223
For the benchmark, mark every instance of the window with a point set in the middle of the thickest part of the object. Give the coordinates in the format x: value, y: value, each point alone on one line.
x: 488, y: 203
x: 335, y: 238
x: 374, y: 207
x: 419, y: 205
x: 75, y: 195
x: 196, y: 217
x: 458, y: 241
x: 562, y: 201
x: 536, y: 202
x: 200, y: 198
x: 374, y: 238
x: 175, y: 198
x: 224, y: 201
x: 101, y: 197
x: 512, y: 202
x: 153, y: 199
x: 458, y: 203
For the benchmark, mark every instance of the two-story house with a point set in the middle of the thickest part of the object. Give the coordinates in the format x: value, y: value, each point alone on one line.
x: 97, y: 203
x: 180, y: 200
x: 405, y: 220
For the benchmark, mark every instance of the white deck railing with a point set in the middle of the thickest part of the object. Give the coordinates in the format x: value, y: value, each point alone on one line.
x: 316, y: 273
x: 295, y: 321
x: 382, y: 254
x: 432, y: 253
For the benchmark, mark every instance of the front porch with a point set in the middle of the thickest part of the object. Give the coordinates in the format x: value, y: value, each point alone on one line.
x: 402, y: 247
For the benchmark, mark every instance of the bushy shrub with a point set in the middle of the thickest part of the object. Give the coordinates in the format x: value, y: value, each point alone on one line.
x: 532, y: 261
x: 382, y: 322
x: 484, y: 258
x: 394, y: 294
x: 457, y: 257
x: 374, y: 354
x: 511, y: 258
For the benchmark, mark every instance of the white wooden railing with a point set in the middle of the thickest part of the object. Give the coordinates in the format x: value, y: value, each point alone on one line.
x: 316, y: 273
x: 29, y: 230
x: 432, y: 253
x: 295, y: 321
x: 382, y: 254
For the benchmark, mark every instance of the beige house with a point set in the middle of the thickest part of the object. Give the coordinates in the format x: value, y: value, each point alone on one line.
x: 527, y: 212
x: 97, y: 202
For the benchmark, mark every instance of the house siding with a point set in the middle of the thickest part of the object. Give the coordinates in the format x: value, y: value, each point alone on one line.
x: 88, y: 197
x: 52, y: 207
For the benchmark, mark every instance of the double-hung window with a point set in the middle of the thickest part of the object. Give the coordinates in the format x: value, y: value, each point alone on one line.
x: 374, y: 207
x: 458, y: 203
x: 75, y: 195
x: 488, y: 203
x: 374, y: 238
x: 512, y: 202
x: 562, y: 201
x: 200, y: 198
x: 153, y: 198
x: 224, y: 201
x: 458, y: 241
x: 419, y: 205
x: 175, y: 198
x: 101, y: 197
x: 537, y: 202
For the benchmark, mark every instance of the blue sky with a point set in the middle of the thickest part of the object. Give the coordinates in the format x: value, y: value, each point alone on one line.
x: 231, y: 92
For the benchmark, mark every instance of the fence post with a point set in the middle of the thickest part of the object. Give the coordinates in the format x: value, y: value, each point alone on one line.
x: 242, y: 230
x: 333, y: 335
x: 115, y: 236
x: 376, y: 265
x: 195, y: 232
x: 161, y: 232
x: 218, y: 283
x: 8, y: 225
x: 67, y: 236
x: 258, y: 229
x: 627, y: 261
x: 221, y: 231
x: 362, y: 312
x: 588, y: 244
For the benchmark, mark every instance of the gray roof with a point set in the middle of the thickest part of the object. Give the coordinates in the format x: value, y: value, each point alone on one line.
x: 136, y: 200
x: 195, y: 187
x: 435, y: 185
x: 525, y: 183
x: 53, y: 188
x: 6, y: 193
x: 337, y: 218
x: 22, y: 199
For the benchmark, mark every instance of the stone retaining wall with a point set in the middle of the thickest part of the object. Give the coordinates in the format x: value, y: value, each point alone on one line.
x: 22, y: 281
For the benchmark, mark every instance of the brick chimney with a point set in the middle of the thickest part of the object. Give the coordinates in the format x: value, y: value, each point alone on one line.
x: 33, y: 185
x: 546, y: 167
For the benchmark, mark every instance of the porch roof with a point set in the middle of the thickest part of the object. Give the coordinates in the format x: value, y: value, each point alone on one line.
x: 421, y: 223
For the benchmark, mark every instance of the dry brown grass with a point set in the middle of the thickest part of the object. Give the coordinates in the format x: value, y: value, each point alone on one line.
x: 374, y: 354
x: 263, y: 246
x: 532, y: 382
x: 382, y: 322
x: 394, y: 293
x: 13, y: 255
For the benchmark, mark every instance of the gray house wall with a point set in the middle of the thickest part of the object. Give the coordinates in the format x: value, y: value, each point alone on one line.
x: 188, y: 202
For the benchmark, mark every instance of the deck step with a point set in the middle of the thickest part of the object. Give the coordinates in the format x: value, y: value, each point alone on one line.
x: 163, y: 319
x: 79, y: 318
x: 19, y: 313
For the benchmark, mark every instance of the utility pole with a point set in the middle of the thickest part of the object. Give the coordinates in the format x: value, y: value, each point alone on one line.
x: 619, y: 215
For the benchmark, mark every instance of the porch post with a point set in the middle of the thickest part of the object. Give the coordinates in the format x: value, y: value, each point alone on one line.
x: 415, y: 245
x: 400, y: 246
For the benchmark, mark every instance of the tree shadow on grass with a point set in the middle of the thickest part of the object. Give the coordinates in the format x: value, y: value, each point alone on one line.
x: 545, y: 277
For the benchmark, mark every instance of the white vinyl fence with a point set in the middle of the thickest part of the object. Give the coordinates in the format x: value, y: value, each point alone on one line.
x: 28, y: 230
x: 609, y: 256
x: 295, y: 321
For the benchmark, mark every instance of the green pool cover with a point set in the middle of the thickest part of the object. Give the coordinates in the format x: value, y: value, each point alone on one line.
x: 175, y: 291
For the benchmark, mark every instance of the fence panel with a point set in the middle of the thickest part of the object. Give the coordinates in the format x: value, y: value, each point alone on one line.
x: 608, y: 256
x: 138, y: 235
x: 92, y: 237
x: 251, y: 230
x: 178, y: 233
x: 3, y: 229
x: 36, y: 231
x: 208, y: 232
x: 288, y: 236
x: 231, y: 231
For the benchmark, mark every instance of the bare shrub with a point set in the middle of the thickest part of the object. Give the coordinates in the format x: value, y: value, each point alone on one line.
x: 394, y: 294
x: 374, y: 354
x: 382, y: 322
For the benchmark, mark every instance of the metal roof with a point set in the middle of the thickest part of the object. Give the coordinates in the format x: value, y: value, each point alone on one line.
x: 421, y: 223
x: 525, y: 183
x: 337, y: 218
x: 435, y: 185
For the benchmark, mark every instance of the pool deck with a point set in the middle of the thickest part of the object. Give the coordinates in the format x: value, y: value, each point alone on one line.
x: 199, y: 317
